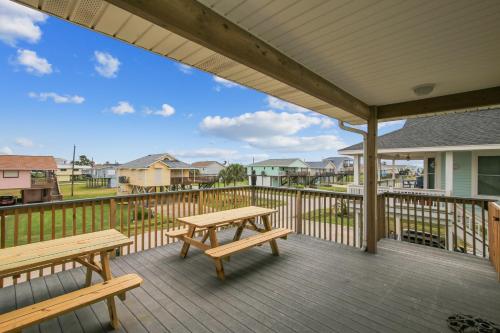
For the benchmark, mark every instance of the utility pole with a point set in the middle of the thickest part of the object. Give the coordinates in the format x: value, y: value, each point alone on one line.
x: 73, y: 171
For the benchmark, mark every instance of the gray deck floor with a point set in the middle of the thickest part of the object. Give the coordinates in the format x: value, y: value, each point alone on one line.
x: 314, y: 286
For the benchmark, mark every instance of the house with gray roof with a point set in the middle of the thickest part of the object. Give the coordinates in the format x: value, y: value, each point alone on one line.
x: 271, y: 172
x: 154, y: 172
x: 321, y: 167
x: 460, y: 152
x: 343, y: 164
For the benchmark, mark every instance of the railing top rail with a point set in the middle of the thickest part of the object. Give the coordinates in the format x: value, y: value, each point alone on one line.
x: 311, y: 190
x: 105, y: 198
x: 444, y: 198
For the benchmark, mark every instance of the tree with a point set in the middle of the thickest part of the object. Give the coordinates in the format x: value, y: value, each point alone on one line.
x: 84, y: 160
x: 237, y: 173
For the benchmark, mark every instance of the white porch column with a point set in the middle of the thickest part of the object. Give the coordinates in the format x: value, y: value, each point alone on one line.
x: 379, y: 173
x: 449, y: 173
x: 425, y: 172
x: 393, y: 170
x: 370, y: 197
x: 356, y: 170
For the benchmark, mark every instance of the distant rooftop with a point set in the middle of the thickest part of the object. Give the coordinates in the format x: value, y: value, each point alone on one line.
x: 202, y: 164
x: 145, y: 161
x: 318, y: 165
x: 27, y: 163
x: 459, y: 129
x: 276, y: 162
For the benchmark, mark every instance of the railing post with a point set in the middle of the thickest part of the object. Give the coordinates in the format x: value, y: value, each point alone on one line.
x: 253, y: 194
x: 494, y: 236
x: 381, y: 216
x: 112, y: 213
x: 298, y: 212
x: 200, y: 202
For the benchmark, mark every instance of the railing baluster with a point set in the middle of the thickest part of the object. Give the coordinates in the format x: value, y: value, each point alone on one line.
x: 455, y: 238
x: 464, y: 227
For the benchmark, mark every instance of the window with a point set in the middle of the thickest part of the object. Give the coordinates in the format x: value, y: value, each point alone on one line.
x: 62, y: 170
x: 488, y: 178
x: 11, y: 174
x: 431, y: 172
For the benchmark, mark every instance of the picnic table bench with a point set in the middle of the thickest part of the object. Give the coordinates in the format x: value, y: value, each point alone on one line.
x: 243, y: 218
x: 82, y: 249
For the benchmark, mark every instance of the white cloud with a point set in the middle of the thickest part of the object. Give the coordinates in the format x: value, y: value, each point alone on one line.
x: 391, y: 123
x: 258, y: 124
x: 19, y: 22
x: 24, y: 142
x: 297, y: 143
x: 186, y: 69
x: 278, y: 104
x: 107, y: 65
x: 270, y: 130
x: 6, y: 151
x: 225, y: 83
x: 33, y: 63
x: 56, y: 98
x: 122, y: 108
x: 166, y: 111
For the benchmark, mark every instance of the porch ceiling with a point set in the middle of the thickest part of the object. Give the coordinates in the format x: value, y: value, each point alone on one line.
x: 373, y: 51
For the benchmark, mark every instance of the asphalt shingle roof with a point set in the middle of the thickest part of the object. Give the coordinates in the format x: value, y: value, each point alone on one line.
x: 27, y: 163
x: 317, y: 165
x: 458, y: 129
x: 177, y: 165
x: 275, y: 162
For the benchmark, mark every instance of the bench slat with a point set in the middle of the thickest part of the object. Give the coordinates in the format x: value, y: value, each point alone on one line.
x: 15, y: 320
x: 243, y: 244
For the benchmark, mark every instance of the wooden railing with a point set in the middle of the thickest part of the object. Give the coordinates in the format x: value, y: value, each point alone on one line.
x: 494, y: 235
x: 326, y: 215
x: 337, y: 217
x: 452, y: 223
x: 42, y: 182
x: 145, y: 217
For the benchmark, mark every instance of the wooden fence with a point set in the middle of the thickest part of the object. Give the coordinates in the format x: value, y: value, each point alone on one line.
x: 494, y: 235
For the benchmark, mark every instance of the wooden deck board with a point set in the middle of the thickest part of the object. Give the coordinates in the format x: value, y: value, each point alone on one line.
x: 314, y: 286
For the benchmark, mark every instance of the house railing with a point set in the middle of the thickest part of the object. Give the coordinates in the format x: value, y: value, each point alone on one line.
x: 494, y: 235
x: 451, y: 223
x: 358, y: 189
x: 42, y: 182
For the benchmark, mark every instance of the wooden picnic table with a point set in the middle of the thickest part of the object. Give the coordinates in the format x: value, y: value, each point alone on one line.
x: 81, y: 248
x: 242, y: 217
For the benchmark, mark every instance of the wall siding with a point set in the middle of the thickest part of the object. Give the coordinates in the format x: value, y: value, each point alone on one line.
x: 462, y: 165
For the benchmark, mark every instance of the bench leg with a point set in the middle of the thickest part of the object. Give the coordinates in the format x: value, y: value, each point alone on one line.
x: 273, y: 243
x: 219, y: 268
x: 185, y: 246
x: 106, y: 272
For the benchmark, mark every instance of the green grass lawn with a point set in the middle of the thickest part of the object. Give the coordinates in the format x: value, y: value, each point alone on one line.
x: 328, y: 215
x: 81, y: 191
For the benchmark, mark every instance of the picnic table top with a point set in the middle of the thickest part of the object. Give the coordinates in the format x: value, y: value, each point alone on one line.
x: 216, y: 218
x: 25, y: 257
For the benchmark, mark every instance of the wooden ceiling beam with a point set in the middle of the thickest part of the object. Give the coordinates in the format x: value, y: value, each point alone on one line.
x: 193, y: 21
x: 448, y: 103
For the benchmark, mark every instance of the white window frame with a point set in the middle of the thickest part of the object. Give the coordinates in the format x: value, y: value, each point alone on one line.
x: 475, y: 173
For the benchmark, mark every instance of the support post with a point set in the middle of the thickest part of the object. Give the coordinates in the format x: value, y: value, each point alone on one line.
x: 356, y: 169
x: 370, y: 167
x: 298, y: 212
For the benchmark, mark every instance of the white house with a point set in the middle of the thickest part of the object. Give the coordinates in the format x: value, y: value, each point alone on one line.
x: 208, y: 168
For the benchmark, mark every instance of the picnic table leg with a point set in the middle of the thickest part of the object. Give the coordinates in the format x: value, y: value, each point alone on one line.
x: 273, y: 243
x: 237, y: 234
x: 106, y: 274
x: 185, y: 246
x: 88, y: 276
x: 214, y: 243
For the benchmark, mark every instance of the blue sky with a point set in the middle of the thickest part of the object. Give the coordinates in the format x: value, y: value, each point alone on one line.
x: 65, y: 85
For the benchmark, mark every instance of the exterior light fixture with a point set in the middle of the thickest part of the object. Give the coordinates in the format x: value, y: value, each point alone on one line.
x: 424, y: 89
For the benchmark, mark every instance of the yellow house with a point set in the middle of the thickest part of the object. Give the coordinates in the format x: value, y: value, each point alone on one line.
x: 153, y: 173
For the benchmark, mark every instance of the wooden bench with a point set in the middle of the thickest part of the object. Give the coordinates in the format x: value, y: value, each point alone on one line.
x: 30, y: 315
x: 246, y: 243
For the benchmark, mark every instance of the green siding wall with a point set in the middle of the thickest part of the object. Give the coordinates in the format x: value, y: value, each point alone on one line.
x: 462, y: 165
x: 443, y: 171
